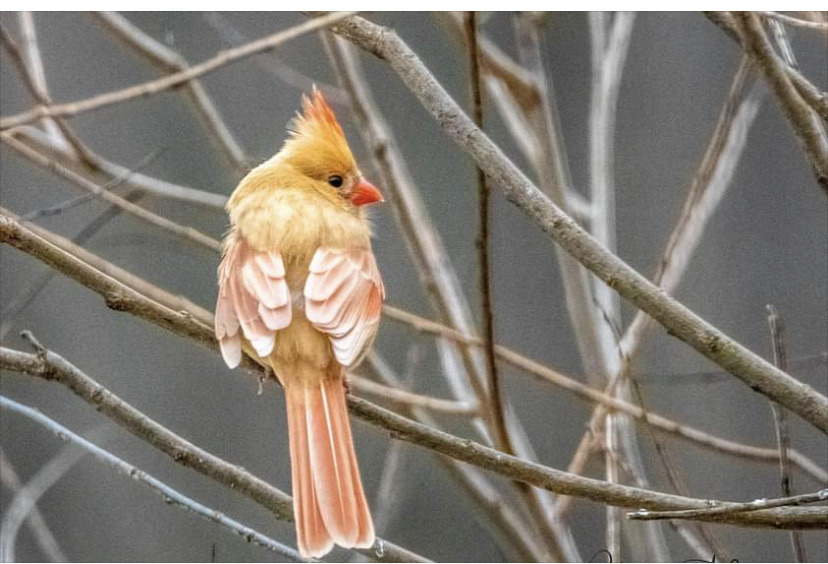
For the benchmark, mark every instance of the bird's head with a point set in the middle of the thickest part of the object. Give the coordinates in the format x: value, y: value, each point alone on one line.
x: 318, y: 150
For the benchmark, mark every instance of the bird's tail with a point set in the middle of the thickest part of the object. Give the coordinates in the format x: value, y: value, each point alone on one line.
x: 328, y: 500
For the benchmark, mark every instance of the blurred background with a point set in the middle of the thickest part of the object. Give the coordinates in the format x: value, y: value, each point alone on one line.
x: 766, y: 244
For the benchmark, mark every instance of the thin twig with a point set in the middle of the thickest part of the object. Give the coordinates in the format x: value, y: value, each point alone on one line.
x: 172, y: 497
x: 715, y: 509
x: 30, y: 66
x: 152, y: 87
x: 172, y: 62
x: 273, y: 64
x: 540, y: 506
x: 105, y: 170
x: 66, y: 205
x: 27, y: 497
x: 798, y: 22
x: 399, y: 396
x: 496, y: 410
x: 149, y: 217
x: 797, y: 112
x: 780, y: 419
x: 39, y: 528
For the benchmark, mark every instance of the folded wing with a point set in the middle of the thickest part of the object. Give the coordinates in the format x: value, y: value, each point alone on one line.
x: 253, y: 300
x: 343, y: 298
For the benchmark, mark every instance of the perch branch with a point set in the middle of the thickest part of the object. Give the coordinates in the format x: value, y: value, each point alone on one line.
x: 51, y: 366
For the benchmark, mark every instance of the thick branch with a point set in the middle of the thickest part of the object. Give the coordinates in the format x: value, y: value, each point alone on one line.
x: 677, y: 319
x: 51, y: 366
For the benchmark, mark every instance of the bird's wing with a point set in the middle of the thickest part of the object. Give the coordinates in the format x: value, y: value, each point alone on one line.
x: 343, y: 298
x: 253, y: 296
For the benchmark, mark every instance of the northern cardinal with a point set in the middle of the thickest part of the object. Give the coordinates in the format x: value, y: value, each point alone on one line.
x: 299, y: 287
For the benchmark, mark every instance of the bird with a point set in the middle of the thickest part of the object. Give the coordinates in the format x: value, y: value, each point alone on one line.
x: 299, y: 289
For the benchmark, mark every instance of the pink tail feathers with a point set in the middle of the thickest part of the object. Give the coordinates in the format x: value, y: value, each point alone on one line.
x: 328, y: 500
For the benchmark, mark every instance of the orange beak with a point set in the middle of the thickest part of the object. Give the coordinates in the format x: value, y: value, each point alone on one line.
x: 366, y: 193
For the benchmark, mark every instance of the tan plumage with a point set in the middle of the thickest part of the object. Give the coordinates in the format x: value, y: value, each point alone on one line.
x: 300, y: 288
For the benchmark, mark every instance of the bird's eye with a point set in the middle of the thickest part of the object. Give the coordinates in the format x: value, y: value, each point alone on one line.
x: 335, y: 181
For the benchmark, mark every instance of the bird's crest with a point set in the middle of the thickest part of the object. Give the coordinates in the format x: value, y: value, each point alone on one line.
x: 317, y: 139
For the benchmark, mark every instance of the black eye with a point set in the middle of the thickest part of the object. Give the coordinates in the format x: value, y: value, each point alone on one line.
x: 335, y: 181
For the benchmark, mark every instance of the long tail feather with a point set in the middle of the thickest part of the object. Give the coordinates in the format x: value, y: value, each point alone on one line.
x: 329, y: 501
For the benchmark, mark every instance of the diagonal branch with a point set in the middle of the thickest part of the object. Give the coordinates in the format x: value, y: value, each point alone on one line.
x: 797, y: 112
x: 677, y: 319
x: 152, y: 87
x: 546, y: 374
x: 171, y: 496
x: 39, y: 528
x: 732, y: 508
x: 172, y: 62
x: 48, y: 365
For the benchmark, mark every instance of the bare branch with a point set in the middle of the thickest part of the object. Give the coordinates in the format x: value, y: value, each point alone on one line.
x: 398, y: 397
x: 716, y: 509
x: 149, y: 217
x: 40, y: 529
x: 172, y: 497
x: 797, y: 112
x: 798, y: 22
x: 170, y: 81
x: 172, y: 62
x: 27, y: 497
x: 105, y: 170
x: 780, y: 417
x: 679, y: 321
x: 51, y: 366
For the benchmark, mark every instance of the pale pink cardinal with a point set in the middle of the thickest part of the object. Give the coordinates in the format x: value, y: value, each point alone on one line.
x: 299, y: 288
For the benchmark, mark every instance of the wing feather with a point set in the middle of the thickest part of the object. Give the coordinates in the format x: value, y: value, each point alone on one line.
x: 254, y: 300
x: 343, y: 298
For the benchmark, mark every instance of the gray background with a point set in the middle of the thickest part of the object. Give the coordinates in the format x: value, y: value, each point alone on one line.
x: 766, y: 244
